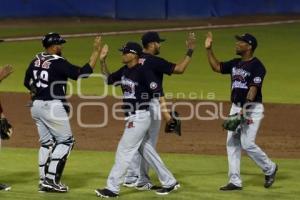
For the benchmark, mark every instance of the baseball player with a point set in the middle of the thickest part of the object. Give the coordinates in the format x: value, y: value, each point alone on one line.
x: 137, y: 175
x: 46, y: 79
x: 4, y: 72
x: 247, y: 74
x: 139, y: 85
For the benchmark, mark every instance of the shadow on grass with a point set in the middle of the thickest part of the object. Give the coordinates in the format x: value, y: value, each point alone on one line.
x: 81, y: 180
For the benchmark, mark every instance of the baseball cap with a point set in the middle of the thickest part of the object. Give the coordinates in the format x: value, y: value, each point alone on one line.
x: 248, y: 38
x: 132, y: 47
x: 52, y: 39
x: 151, y: 36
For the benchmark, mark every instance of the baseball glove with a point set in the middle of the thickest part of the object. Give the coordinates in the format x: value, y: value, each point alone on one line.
x: 233, y: 121
x: 5, y: 129
x: 174, y: 126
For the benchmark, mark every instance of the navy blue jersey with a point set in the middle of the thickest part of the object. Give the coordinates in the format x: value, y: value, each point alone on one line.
x: 158, y: 65
x: 243, y: 75
x: 139, y: 85
x: 49, y: 75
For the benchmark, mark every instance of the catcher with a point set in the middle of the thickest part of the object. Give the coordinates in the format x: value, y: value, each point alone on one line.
x: 247, y: 74
x: 5, y: 127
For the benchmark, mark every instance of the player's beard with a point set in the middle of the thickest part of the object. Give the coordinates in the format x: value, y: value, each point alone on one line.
x: 59, y: 53
x: 59, y: 50
x: 239, y: 52
x: 157, y: 51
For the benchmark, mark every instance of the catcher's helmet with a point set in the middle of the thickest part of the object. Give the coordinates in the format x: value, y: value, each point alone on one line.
x: 51, y: 39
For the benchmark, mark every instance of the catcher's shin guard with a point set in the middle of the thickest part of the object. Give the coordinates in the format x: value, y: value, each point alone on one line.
x: 59, y: 157
x: 60, y: 169
x: 45, y: 152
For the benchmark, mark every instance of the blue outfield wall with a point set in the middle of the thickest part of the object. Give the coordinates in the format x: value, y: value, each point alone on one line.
x: 145, y: 9
x: 193, y: 9
x: 252, y: 7
x: 190, y: 9
x: 141, y: 9
x: 48, y: 8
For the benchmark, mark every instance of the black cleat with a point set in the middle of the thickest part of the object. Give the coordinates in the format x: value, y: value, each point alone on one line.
x: 166, y: 191
x: 230, y: 186
x: 106, y: 193
x: 43, y: 189
x: 4, y: 187
x: 270, y: 179
x: 52, y: 186
x: 156, y: 187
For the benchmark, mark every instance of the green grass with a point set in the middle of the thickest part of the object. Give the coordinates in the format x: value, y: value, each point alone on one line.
x: 278, y: 50
x: 17, y: 28
x: 200, y: 177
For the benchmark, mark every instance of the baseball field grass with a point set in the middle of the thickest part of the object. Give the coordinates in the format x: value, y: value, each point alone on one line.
x: 72, y: 25
x: 68, y: 25
x: 200, y: 177
x: 277, y: 48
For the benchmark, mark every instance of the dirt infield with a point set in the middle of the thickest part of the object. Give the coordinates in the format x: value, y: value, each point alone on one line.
x: 278, y: 136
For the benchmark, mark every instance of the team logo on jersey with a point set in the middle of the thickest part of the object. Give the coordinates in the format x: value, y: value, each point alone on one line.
x: 128, y: 87
x: 239, y: 78
x: 257, y: 80
x: 46, y: 65
x: 142, y: 61
x: 153, y: 85
x: 240, y: 72
x: 37, y: 63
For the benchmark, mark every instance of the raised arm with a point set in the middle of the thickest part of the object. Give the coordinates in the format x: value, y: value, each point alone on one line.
x: 213, y: 61
x: 5, y: 71
x: 103, y: 55
x: 96, y: 51
x: 191, y: 44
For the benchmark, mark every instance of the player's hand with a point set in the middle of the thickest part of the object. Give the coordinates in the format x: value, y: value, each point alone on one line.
x: 97, y: 44
x: 167, y: 116
x: 191, y: 41
x: 5, y: 71
x: 104, y: 52
x: 208, y: 40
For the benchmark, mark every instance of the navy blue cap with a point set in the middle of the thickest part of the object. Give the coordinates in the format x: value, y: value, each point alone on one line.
x: 52, y: 39
x: 132, y: 47
x: 248, y: 38
x: 151, y: 37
